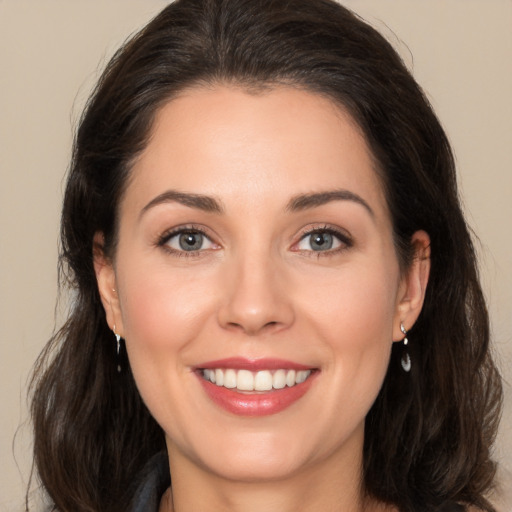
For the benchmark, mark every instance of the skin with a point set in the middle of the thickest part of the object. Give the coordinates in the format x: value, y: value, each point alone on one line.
x: 256, y: 289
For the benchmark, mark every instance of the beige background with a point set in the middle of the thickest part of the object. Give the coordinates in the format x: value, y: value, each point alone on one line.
x: 51, y: 52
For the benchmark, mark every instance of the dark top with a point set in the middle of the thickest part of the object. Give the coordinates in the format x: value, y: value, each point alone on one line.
x: 153, y: 483
x: 155, y: 480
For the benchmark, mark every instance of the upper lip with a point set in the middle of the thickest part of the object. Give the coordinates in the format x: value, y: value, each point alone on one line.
x: 241, y: 363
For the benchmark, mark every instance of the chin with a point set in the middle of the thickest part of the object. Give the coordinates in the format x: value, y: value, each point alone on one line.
x: 249, y: 456
x: 241, y: 468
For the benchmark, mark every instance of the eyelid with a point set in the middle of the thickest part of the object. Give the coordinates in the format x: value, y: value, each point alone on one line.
x: 163, y: 239
x: 342, y: 235
x: 344, y: 238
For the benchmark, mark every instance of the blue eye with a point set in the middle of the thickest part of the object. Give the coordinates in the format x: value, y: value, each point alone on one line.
x: 322, y: 240
x: 189, y: 241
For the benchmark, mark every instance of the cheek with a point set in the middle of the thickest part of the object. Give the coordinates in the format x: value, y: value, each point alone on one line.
x: 163, y: 313
x: 163, y: 310
x: 353, y: 313
x: 359, y: 301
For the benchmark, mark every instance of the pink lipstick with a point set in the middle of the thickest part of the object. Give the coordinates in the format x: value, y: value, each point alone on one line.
x: 255, y: 387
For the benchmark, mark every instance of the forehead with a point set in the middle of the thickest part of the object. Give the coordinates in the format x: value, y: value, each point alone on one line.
x: 229, y: 143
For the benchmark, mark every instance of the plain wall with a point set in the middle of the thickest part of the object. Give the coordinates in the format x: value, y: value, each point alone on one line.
x: 51, y: 52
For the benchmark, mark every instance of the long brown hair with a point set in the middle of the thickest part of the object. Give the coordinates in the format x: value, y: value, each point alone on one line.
x: 428, y: 435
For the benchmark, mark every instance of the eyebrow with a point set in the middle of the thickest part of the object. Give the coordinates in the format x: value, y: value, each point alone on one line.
x: 313, y: 200
x: 298, y: 203
x: 198, y: 201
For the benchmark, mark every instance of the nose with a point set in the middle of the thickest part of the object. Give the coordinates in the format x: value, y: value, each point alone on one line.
x: 256, y: 298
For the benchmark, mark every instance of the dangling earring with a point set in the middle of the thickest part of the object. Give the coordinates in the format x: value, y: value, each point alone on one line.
x: 406, y: 359
x: 118, y: 341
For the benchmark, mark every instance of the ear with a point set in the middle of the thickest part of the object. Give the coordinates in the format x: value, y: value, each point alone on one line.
x: 106, y: 281
x: 413, y: 286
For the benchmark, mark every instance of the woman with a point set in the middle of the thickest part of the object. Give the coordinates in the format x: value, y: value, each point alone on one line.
x: 261, y: 206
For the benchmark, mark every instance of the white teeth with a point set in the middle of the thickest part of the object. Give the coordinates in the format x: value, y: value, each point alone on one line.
x: 264, y: 380
x: 290, y: 378
x: 245, y: 380
x: 302, y: 376
x: 230, y: 379
x: 279, y: 379
x: 209, y: 375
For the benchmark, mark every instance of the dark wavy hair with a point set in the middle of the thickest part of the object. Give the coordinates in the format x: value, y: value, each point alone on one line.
x: 429, y: 433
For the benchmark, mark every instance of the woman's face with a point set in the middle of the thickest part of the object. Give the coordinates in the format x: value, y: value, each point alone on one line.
x: 255, y: 249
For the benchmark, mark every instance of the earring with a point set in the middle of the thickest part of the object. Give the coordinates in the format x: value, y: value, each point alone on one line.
x: 406, y: 359
x: 118, y: 341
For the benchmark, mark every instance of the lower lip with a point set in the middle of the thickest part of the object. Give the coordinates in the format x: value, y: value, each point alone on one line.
x: 257, y: 404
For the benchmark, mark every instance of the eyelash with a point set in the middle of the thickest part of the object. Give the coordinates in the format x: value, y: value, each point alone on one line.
x: 344, y: 239
x: 168, y: 235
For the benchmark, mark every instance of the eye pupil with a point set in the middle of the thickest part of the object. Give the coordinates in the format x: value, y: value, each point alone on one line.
x: 191, y: 241
x: 321, y: 241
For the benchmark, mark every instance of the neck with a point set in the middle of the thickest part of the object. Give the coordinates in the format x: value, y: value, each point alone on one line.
x: 329, y: 485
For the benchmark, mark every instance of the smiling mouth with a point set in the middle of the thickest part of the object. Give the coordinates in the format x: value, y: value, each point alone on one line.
x: 263, y: 380
x: 255, y: 387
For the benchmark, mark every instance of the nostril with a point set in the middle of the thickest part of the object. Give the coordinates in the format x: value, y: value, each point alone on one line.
x: 255, y: 328
x: 255, y: 312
